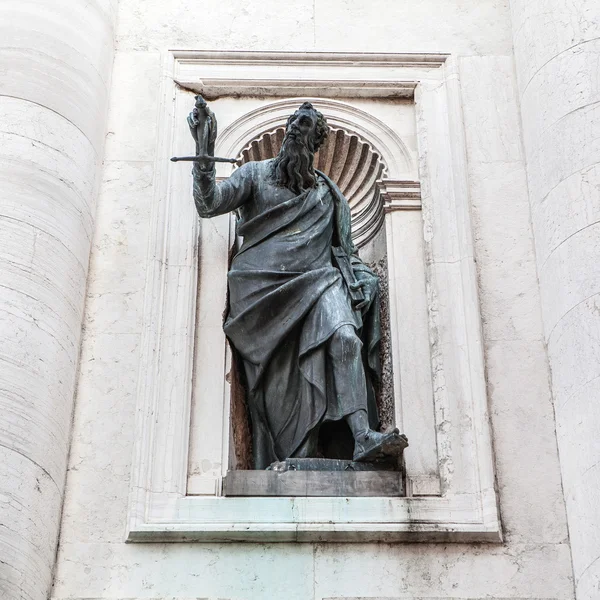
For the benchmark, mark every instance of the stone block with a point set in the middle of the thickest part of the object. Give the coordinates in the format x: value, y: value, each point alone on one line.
x: 316, y: 477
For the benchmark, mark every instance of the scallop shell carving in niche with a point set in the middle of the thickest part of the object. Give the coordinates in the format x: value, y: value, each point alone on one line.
x: 352, y: 163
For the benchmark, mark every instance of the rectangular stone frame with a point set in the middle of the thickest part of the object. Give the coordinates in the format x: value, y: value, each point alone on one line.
x: 465, y: 507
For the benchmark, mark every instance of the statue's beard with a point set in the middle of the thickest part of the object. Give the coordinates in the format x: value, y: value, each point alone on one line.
x: 294, y: 165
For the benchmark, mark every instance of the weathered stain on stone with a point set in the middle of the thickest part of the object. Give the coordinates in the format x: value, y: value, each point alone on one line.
x: 385, y: 389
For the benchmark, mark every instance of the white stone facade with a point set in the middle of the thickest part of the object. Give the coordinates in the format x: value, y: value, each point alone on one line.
x: 82, y: 101
x: 556, y: 52
x: 55, y: 67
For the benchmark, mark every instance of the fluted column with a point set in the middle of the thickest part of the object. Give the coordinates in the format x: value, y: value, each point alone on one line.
x: 55, y: 64
x: 557, y: 52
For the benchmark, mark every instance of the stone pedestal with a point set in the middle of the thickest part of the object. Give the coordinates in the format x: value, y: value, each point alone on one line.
x: 318, y: 477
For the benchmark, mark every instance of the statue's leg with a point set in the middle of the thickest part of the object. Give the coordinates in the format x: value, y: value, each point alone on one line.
x: 351, y: 390
x: 358, y: 422
x: 344, y: 350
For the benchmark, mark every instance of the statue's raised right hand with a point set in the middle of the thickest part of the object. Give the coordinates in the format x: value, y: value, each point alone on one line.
x: 193, y: 123
x: 200, y: 115
x: 203, y: 127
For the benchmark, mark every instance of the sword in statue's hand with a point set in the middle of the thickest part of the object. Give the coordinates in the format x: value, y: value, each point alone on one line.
x: 203, y: 127
x: 203, y: 157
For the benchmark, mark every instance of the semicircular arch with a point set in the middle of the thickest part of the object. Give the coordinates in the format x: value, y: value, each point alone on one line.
x: 393, y: 151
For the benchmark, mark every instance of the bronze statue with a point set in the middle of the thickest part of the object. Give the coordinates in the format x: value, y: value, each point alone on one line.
x: 303, y: 312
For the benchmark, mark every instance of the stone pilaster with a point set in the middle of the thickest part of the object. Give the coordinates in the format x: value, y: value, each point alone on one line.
x: 557, y: 48
x: 55, y: 64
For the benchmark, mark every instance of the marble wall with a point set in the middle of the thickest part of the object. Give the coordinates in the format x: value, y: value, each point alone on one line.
x: 534, y: 562
x: 55, y: 66
x: 557, y: 45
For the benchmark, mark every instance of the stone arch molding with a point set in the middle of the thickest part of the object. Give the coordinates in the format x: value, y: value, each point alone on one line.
x: 385, y: 152
x: 340, y: 115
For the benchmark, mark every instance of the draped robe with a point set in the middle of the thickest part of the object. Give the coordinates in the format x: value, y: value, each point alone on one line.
x: 287, y: 298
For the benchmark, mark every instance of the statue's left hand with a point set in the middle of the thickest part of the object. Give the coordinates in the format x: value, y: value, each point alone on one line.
x: 368, y: 284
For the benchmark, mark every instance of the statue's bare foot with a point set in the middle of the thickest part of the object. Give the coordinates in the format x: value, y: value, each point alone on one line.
x: 372, y: 445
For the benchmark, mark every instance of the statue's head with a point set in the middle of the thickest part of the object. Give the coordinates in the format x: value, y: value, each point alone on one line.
x: 309, y: 125
x: 305, y: 131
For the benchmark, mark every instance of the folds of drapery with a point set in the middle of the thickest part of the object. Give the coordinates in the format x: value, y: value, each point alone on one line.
x: 286, y: 299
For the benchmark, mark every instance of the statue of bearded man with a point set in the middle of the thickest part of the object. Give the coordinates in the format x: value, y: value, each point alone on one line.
x: 303, y: 312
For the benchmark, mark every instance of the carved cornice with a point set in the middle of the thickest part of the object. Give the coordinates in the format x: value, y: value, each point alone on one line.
x: 213, y: 88
x: 398, y: 194
x: 284, y: 74
x: 338, y: 59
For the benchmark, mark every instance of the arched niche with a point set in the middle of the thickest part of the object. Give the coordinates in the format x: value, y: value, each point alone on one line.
x: 340, y: 115
x: 360, y: 154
